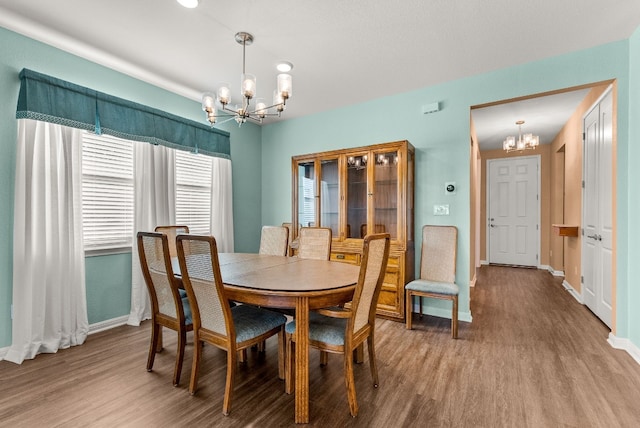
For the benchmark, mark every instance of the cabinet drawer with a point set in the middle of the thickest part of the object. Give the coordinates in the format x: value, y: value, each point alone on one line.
x: 393, y: 262
x: 350, y: 258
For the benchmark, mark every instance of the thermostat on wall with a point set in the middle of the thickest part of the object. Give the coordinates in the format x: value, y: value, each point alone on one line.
x: 450, y: 188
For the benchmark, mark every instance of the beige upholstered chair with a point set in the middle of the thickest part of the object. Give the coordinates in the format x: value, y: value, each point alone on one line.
x: 379, y: 228
x: 172, y: 232
x: 170, y: 308
x: 289, y: 227
x: 343, y: 330
x: 274, y: 240
x: 437, y: 272
x: 214, y: 321
x: 314, y: 243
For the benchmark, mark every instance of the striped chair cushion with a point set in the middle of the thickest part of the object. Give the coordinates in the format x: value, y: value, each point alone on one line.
x: 425, y: 286
x: 323, y: 329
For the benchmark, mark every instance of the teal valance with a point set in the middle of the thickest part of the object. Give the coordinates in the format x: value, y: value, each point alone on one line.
x: 53, y: 100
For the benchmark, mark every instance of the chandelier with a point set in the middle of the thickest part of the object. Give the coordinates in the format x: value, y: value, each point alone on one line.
x: 524, y: 142
x: 247, y: 110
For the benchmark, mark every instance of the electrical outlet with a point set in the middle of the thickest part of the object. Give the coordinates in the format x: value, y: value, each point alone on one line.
x: 441, y: 209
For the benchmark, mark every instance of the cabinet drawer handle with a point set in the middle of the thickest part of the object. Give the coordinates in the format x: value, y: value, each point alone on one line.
x: 340, y: 256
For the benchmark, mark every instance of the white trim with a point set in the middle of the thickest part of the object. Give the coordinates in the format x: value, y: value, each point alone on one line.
x: 555, y: 272
x: 484, y: 263
x: 572, y: 291
x: 108, y: 324
x: 93, y: 328
x: 625, y: 345
x: 31, y: 29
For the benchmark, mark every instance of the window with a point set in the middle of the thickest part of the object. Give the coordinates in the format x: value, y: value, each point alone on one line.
x: 107, y: 192
x: 193, y: 191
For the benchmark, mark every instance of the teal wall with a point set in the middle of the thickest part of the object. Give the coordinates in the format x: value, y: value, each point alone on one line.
x: 628, y: 315
x: 261, y: 157
x: 441, y: 139
x: 108, y: 277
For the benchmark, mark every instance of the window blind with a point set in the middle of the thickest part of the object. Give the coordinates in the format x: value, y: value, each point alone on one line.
x: 193, y: 192
x: 107, y: 192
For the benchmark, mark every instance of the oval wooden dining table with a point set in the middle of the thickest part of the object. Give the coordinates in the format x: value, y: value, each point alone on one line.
x: 289, y: 283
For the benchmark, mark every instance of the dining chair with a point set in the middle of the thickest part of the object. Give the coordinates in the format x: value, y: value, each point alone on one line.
x: 314, y: 243
x: 379, y: 228
x: 274, y: 240
x: 217, y: 323
x: 289, y: 227
x: 169, y: 308
x: 437, y: 272
x: 343, y: 330
x: 172, y: 232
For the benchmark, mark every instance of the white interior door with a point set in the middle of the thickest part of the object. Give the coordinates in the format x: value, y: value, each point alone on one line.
x: 597, y: 211
x: 513, y: 210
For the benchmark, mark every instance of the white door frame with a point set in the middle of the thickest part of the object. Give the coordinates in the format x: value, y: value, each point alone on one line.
x: 488, y: 204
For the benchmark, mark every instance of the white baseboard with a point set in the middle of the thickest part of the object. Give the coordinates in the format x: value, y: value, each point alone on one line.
x: 442, y: 313
x: 555, y: 272
x: 107, y: 324
x: 572, y: 291
x: 483, y: 262
x: 625, y: 345
x: 93, y: 328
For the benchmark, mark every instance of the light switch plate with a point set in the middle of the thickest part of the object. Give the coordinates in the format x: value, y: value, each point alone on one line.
x: 441, y: 209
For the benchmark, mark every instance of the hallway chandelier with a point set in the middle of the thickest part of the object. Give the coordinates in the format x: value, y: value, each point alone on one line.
x: 524, y: 142
x: 247, y: 110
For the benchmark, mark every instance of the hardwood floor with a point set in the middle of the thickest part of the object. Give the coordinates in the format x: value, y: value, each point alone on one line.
x: 533, y: 357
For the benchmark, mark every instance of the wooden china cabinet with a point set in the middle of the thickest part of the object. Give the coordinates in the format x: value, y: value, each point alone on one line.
x: 355, y: 191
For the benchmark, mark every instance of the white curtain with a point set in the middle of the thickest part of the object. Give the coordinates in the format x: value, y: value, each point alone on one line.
x: 222, y: 204
x: 49, y: 298
x: 154, y: 205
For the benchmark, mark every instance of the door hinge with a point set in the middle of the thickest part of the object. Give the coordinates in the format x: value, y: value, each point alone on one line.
x: 581, y: 279
x: 582, y: 229
x: 536, y: 257
x: 583, y: 184
x: 584, y: 136
x: 536, y: 227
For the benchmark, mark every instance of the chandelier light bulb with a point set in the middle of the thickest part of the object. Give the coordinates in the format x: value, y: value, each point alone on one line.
x: 261, y: 108
x: 224, y: 94
x: 285, y: 85
x: 248, y: 85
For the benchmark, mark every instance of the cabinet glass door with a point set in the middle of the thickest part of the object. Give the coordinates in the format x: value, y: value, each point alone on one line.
x: 330, y: 196
x: 386, y: 193
x: 357, y: 196
x: 306, y: 194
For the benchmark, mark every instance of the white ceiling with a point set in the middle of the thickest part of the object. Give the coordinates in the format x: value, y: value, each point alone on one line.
x: 344, y: 52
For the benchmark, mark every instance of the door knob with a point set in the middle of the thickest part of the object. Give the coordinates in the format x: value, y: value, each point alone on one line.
x: 593, y: 237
